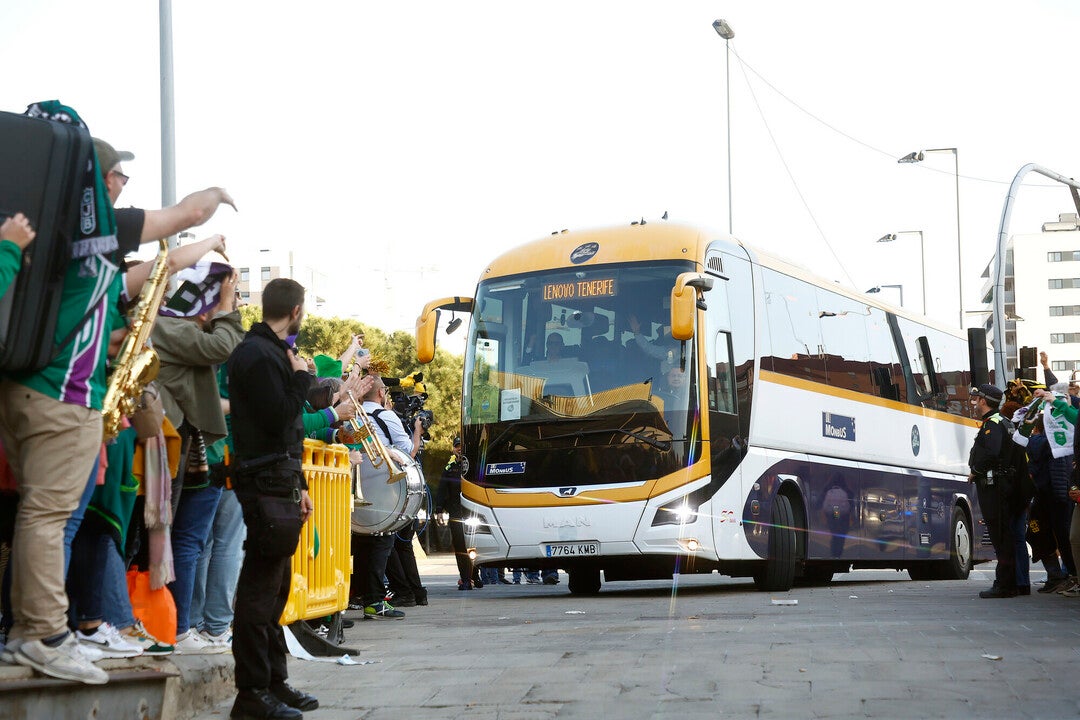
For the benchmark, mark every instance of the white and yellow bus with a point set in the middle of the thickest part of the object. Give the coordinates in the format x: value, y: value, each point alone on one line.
x: 710, y: 409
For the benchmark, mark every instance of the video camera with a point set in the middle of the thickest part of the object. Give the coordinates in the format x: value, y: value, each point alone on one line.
x: 411, y: 407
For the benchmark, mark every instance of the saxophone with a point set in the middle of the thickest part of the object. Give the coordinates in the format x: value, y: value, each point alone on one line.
x: 136, y: 364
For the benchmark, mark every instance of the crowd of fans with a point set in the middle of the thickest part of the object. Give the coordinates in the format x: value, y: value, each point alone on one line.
x: 1023, y: 465
x: 91, y: 526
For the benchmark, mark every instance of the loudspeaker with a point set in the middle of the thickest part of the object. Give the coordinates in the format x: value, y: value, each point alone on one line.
x: 977, y: 356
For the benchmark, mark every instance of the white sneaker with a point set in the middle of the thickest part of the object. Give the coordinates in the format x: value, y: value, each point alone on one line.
x: 137, y: 635
x: 7, y: 655
x: 91, y: 653
x: 107, y: 640
x: 64, y: 662
x: 222, y: 640
x: 192, y: 643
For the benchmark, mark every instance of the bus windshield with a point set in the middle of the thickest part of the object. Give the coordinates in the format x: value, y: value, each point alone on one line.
x: 580, y: 358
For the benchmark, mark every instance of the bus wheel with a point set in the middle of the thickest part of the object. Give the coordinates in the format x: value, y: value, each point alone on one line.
x: 584, y: 581
x: 958, y: 565
x: 961, y: 549
x: 778, y: 575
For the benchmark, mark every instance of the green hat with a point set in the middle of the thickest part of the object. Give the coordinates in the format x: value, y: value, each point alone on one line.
x: 326, y: 366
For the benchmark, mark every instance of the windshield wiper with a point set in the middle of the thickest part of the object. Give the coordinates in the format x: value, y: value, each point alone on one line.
x: 506, y: 431
x: 658, y: 444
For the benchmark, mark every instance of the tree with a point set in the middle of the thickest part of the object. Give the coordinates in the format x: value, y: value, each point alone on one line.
x: 441, y: 377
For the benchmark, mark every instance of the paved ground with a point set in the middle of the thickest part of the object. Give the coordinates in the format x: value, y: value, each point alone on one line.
x: 870, y: 644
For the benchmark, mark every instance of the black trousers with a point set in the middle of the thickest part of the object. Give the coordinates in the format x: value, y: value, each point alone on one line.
x: 262, y: 592
x: 370, y: 555
x: 401, y: 570
x: 999, y: 516
x: 461, y: 555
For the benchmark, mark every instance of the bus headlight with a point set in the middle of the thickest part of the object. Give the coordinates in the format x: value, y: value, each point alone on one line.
x: 477, y: 524
x: 679, y: 512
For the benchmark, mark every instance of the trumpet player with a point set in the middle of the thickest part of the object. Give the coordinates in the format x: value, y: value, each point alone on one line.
x: 372, y: 551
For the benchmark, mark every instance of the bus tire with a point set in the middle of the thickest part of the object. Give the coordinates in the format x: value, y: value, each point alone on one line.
x: 584, y: 581
x: 961, y: 549
x: 778, y: 575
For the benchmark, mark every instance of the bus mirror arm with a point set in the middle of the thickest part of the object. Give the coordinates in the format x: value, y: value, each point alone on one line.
x: 686, y: 296
x: 428, y: 322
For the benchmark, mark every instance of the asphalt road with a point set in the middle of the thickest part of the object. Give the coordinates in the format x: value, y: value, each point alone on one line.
x: 869, y: 644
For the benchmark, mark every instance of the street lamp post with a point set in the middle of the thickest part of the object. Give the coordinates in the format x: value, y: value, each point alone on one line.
x: 877, y: 289
x: 724, y: 30
x: 918, y: 156
x: 891, y: 237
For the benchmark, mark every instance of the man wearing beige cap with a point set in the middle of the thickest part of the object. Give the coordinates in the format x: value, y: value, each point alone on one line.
x: 135, y: 226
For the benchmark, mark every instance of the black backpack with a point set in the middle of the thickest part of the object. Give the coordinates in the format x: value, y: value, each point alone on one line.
x: 1012, y: 468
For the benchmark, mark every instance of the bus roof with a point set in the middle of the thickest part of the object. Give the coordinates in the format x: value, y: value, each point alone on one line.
x: 653, y: 241
x: 661, y: 241
x: 787, y: 267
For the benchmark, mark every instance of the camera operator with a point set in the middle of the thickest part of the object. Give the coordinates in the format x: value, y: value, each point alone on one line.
x: 403, y: 575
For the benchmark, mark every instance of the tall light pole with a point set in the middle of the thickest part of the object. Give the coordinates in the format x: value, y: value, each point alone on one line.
x: 724, y: 30
x: 918, y: 156
x: 877, y: 289
x: 891, y: 237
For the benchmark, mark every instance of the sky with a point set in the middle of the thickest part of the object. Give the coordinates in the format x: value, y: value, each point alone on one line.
x: 403, y: 146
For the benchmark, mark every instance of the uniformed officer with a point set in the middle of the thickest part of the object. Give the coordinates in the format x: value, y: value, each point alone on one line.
x: 993, y: 483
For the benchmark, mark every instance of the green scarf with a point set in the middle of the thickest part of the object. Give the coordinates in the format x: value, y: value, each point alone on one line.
x: 96, y: 231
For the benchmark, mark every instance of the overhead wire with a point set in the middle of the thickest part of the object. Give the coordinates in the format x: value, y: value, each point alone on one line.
x: 746, y: 66
x: 791, y: 176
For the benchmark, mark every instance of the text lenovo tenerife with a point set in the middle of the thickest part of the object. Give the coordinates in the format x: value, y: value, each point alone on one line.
x: 580, y: 289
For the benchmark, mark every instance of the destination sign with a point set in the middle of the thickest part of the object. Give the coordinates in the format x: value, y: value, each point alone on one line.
x: 603, y: 287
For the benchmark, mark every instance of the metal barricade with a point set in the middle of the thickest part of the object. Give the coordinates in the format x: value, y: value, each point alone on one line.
x: 322, y: 564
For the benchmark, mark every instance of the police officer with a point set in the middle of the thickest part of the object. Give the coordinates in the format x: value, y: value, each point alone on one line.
x: 993, y: 482
x: 449, y: 501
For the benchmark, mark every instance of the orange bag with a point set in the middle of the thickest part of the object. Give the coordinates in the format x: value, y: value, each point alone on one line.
x: 156, y: 608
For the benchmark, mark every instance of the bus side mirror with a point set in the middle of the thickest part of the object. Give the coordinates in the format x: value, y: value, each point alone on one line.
x: 425, y: 336
x: 684, y: 297
x: 428, y: 322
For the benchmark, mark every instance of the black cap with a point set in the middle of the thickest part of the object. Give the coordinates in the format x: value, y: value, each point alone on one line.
x: 990, y: 392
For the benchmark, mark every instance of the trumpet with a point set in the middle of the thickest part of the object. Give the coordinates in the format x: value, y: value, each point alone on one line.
x: 364, y: 431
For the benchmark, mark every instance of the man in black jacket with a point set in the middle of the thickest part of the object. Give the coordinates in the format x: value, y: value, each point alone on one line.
x: 268, y: 384
x: 994, y: 482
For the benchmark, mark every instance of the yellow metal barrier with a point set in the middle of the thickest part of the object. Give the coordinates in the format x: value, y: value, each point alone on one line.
x: 320, y: 581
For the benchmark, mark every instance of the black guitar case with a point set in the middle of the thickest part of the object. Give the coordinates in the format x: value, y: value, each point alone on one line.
x: 41, y: 171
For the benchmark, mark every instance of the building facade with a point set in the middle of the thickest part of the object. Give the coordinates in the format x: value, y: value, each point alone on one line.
x: 1042, y: 296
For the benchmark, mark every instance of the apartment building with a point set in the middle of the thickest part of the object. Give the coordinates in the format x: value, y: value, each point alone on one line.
x: 1042, y: 295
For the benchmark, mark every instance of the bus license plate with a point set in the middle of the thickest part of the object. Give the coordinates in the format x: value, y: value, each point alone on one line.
x: 572, y: 549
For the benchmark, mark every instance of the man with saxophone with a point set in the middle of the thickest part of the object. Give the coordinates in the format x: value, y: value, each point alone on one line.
x: 51, y: 421
x: 268, y: 385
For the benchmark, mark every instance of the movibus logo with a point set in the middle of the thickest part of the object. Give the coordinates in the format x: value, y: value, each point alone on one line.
x: 511, y: 468
x: 838, y: 427
x: 584, y: 252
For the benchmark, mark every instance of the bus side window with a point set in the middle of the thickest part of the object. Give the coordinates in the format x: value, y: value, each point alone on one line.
x: 721, y: 377
x: 794, y: 327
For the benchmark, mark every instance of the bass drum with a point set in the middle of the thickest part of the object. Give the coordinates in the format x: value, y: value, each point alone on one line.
x: 383, y: 507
